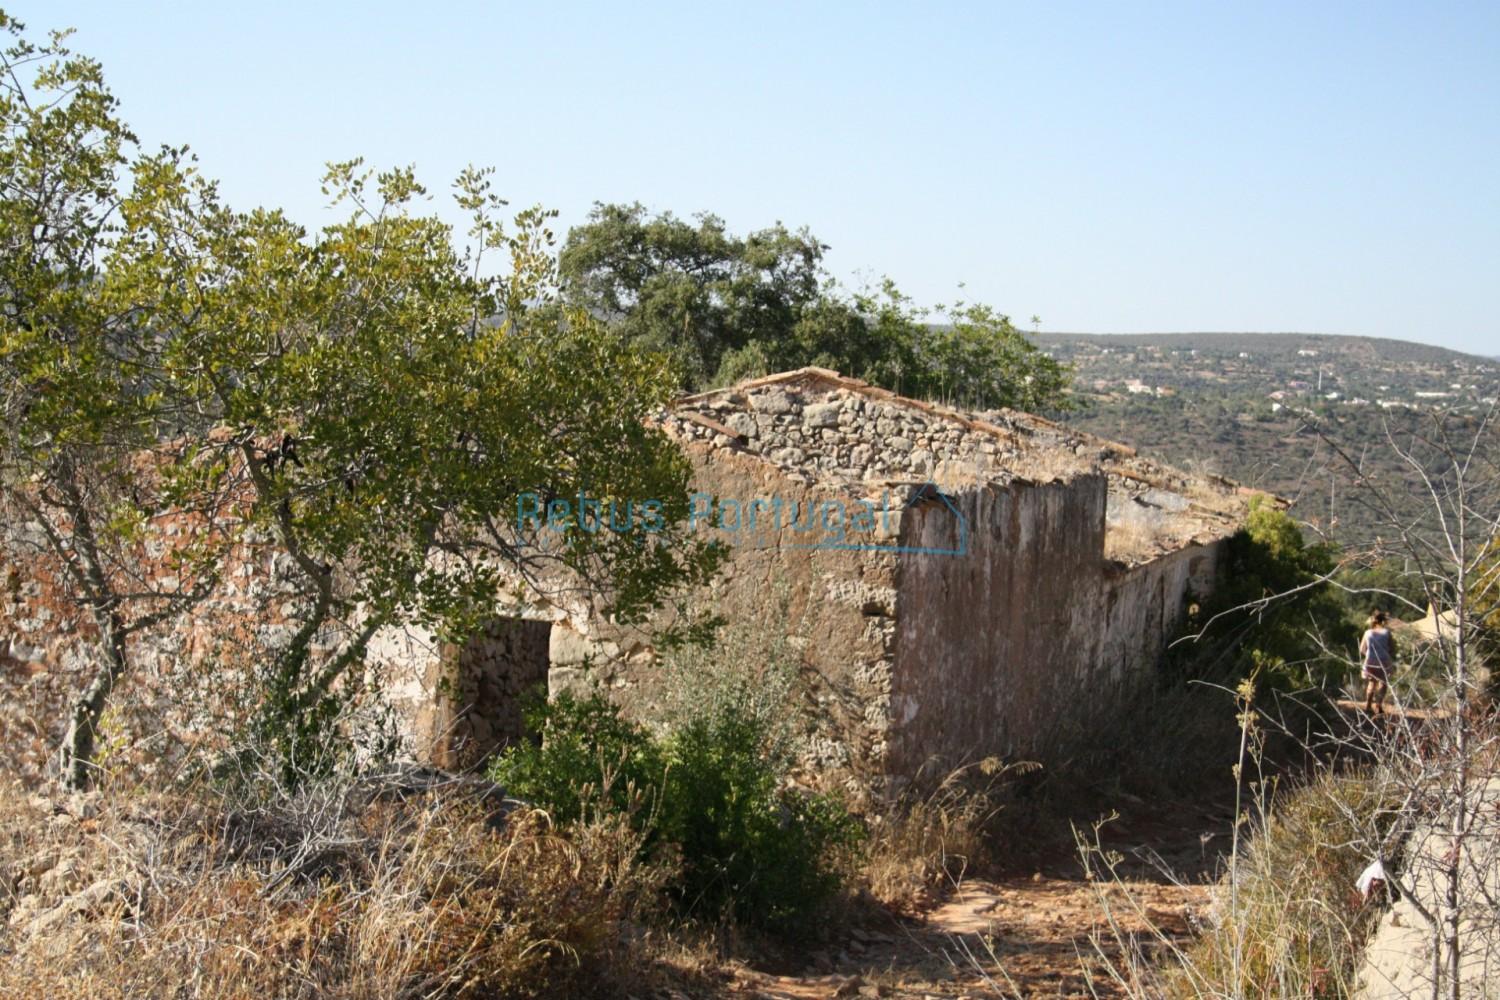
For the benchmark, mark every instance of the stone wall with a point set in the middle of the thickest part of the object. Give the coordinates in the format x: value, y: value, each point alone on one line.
x: 1015, y: 615
x: 995, y: 646
x: 480, y: 689
x: 189, y: 683
x: 833, y: 609
x: 834, y: 434
x: 987, y: 654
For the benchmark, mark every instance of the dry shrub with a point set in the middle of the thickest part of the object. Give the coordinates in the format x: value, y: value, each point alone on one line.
x: 927, y: 839
x: 1284, y: 923
x: 1048, y: 464
x: 1150, y: 744
x: 1297, y: 929
x: 436, y: 896
x: 1133, y: 540
x: 526, y: 912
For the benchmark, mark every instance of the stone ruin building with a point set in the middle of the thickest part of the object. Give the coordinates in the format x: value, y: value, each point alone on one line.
x: 953, y: 585
x: 1007, y: 576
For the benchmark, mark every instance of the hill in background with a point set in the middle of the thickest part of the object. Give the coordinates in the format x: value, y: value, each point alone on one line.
x: 1374, y: 350
x: 1243, y: 405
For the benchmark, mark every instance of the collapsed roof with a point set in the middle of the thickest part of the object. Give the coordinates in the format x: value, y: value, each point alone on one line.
x: 822, y: 428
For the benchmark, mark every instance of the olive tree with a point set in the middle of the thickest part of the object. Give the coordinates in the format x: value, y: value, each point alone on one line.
x: 371, y: 398
x: 728, y: 307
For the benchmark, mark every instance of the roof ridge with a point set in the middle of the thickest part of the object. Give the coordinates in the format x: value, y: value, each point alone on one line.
x: 966, y: 418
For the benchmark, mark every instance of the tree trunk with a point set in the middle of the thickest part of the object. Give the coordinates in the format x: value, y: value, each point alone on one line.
x: 1454, y: 901
x: 77, y: 755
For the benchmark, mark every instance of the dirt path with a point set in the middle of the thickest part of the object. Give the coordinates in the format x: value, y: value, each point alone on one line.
x: 1021, y: 935
x: 1355, y: 710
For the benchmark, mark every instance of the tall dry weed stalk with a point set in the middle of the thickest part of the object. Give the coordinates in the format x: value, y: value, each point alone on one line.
x: 925, y: 841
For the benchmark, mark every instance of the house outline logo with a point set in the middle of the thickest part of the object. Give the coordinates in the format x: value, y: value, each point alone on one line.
x: 927, y: 496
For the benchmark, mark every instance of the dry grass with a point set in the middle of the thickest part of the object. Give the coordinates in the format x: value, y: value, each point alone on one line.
x: 1157, y: 745
x: 1133, y: 541
x: 345, y: 896
x: 1045, y: 465
x: 1285, y: 923
x: 927, y: 840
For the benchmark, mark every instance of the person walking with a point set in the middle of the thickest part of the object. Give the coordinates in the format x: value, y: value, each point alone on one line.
x: 1377, y: 654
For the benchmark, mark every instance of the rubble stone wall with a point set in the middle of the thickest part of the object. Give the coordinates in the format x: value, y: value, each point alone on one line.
x: 994, y: 643
x: 819, y: 433
x: 480, y: 689
x: 188, y: 686
x: 833, y: 610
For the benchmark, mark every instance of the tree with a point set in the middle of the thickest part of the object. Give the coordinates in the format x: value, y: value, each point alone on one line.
x: 1275, y: 611
x: 365, y: 396
x: 695, y: 292
x: 728, y: 307
x: 80, y: 386
x: 977, y: 357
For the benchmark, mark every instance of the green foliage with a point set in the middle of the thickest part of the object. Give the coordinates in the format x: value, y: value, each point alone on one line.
x: 978, y: 357
x: 728, y: 307
x: 89, y: 289
x: 749, y: 847
x: 1384, y: 583
x: 587, y: 760
x: 81, y: 384
x: 712, y: 788
x: 1273, y: 612
x: 370, y: 399
x: 694, y: 291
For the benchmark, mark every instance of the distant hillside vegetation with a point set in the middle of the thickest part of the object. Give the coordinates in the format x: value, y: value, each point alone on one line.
x: 1366, y: 349
x: 1244, y: 404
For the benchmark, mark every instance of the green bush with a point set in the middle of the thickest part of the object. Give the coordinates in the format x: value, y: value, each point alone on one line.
x: 589, y: 762
x: 750, y: 847
x: 1269, y: 616
x: 768, y: 856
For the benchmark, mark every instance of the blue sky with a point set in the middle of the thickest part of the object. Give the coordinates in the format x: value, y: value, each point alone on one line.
x: 1312, y: 167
